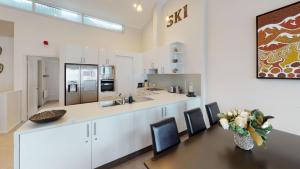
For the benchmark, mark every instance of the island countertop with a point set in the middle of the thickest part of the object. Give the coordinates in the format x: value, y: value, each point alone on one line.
x: 91, y: 111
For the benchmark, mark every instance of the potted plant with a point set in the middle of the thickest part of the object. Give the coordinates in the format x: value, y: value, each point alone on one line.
x: 248, y: 126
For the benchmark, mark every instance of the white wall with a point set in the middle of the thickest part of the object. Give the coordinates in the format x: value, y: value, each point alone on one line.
x: 31, y: 29
x: 232, y: 64
x: 190, y: 31
x: 6, y: 77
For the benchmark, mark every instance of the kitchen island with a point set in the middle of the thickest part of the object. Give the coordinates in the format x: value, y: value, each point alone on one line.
x: 90, y: 136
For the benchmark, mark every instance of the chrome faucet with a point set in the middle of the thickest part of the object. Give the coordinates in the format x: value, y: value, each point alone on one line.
x: 123, y: 99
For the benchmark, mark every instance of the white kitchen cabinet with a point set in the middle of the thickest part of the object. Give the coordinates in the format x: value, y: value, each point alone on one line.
x: 142, y: 121
x: 58, y: 148
x: 192, y: 104
x: 168, y: 59
x: 176, y: 110
x: 90, y: 55
x: 112, y: 138
x: 72, y: 54
x: 106, y: 57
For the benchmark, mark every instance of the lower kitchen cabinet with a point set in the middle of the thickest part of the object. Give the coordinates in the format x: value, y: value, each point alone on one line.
x: 57, y: 148
x: 177, y: 111
x: 112, y: 138
x: 95, y: 143
x: 142, y: 121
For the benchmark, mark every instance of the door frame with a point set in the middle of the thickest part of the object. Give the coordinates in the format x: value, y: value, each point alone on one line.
x: 27, y: 81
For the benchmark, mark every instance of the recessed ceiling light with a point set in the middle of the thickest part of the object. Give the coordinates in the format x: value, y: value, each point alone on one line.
x: 139, y: 8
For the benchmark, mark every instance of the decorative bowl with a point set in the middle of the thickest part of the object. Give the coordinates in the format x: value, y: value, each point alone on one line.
x: 47, y: 116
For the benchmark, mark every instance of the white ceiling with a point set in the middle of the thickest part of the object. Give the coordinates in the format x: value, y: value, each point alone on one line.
x: 120, y: 11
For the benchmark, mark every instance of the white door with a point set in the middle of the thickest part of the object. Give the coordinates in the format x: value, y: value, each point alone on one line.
x: 90, y: 55
x: 177, y: 111
x: 32, y: 86
x: 124, y: 75
x: 112, y: 138
x: 67, y: 147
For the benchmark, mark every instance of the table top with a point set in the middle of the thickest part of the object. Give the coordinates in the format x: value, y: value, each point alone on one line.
x: 215, y: 149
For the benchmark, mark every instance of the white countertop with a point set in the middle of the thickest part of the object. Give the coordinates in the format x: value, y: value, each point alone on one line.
x: 91, y: 111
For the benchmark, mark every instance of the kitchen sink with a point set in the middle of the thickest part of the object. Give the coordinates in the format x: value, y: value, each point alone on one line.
x: 118, y: 102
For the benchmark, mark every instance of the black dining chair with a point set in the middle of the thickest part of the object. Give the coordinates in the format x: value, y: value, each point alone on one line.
x: 164, y: 135
x: 213, y: 110
x: 194, y: 121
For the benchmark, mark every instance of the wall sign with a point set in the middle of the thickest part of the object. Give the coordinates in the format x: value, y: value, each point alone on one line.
x: 177, y: 16
x: 278, y: 43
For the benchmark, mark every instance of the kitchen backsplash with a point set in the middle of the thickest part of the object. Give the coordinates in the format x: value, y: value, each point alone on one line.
x: 164, y: 81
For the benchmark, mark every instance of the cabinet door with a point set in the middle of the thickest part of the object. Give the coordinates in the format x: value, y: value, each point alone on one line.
x: 90, y: 55
x: 192, y: 104
x: 102, y: 59
x: 177, y: 110
x: 142, y: 121
x: 73, y: 54
x: 112, y: 138
x: 59, y: 148
x: 164, y: 60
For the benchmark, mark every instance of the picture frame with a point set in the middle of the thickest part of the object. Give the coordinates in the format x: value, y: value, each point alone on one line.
x: 277, y: 55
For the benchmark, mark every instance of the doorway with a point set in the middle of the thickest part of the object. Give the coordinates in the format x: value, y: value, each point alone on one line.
x: 42, y: 83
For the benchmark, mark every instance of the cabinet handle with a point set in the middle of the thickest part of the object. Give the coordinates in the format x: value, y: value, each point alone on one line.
x: 95, y: 129
x: 162, y: 112
x: 87, y: 130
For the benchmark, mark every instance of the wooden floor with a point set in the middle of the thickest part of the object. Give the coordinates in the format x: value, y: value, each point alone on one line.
x: 6, y: 155
x: 6, y: 151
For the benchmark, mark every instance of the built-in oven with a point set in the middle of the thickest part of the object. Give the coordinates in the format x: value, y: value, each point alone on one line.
x: 107, y: 85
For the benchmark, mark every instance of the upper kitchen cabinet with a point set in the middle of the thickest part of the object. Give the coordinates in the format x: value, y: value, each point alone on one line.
x: 106, y: 57
x: 90, y: 55
x: 72, y: 54
x: 165, y: 60
x: 79, y: 55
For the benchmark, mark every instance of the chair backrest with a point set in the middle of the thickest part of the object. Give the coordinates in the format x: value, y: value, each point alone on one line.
x: 213, y: 110
x: 194, y: 121
x: 164, y: 135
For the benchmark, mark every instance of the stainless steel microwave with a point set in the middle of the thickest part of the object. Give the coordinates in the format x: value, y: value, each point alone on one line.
x: 107, y: 72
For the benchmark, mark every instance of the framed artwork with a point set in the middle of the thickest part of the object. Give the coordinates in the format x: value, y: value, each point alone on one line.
x: 278, y: 43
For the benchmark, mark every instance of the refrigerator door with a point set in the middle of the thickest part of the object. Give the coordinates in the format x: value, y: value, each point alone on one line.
x: 72, y: 88
x: 89, y: 83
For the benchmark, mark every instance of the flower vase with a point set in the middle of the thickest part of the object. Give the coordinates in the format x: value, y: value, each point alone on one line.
x: 245, y: 143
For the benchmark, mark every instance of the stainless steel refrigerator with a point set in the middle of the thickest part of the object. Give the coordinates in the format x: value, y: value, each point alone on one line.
x: 81, y: 84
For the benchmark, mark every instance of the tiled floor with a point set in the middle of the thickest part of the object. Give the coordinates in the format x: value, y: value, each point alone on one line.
x: 6, y: 155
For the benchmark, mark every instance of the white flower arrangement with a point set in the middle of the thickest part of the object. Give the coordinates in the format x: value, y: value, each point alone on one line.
x: 245, y: 123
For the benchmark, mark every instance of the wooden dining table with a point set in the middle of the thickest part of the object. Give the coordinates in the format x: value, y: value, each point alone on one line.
x: 215, y: 149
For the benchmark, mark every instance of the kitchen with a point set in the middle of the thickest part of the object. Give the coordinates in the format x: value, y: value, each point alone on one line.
x: 96, y: 65
x: 83, y: 83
